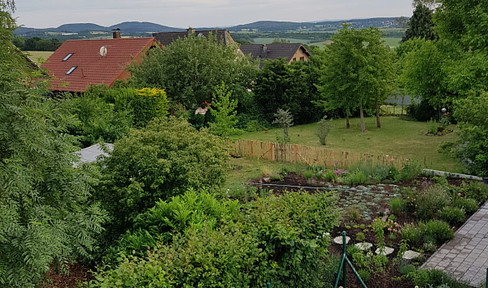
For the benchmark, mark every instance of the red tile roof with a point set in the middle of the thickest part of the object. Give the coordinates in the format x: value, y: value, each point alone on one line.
x: 91, y: 67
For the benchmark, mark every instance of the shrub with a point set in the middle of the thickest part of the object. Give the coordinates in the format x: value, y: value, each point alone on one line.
x: 162, y: 160
x: 360, y: 237
x: 439, y: 231
x: 410, y: 170
x: 469, y: 205
x: 308, y: 173
x: 452, y: 215
x: 434, y: 278
x: 475, y: 190
x: 431, y: 200
x: 330, y: 176
x: 422, y: 111
x: 214, y: 244
x: 364, y: 274
x: 323, y: 130
x: 412, y: 234
x: 397, y: 206
x: 355, y: 178
x: 352, y: 214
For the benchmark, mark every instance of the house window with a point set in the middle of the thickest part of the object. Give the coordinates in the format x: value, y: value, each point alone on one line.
x: 294, y: 59
x: 67, y: 57
x: 71, y: 70
x: 302, y: 58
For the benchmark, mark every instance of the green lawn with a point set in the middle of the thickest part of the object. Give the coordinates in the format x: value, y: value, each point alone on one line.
x: 397, y: 138
x: 38, y: 57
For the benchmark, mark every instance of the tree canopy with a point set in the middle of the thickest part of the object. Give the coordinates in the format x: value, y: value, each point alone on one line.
x: 46, y: 213
x: 357, y: 72
x: 189, y: 69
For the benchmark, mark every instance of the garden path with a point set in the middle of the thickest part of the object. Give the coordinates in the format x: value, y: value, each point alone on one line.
x: 466, y: 256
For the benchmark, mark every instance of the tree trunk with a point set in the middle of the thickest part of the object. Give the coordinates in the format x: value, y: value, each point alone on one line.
x: 361, y: 117
x: 347, y: 121
x: 378, y: 122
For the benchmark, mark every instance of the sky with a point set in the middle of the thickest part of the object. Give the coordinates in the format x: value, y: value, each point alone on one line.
x: 200, y: 13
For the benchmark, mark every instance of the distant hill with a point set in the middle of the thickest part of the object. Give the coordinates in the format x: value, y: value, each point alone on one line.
x: 145, y: 29
x: 87, y: 30
x: 280, y: 26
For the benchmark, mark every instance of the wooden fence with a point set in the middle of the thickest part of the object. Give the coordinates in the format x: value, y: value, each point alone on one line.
x: 309, y: 155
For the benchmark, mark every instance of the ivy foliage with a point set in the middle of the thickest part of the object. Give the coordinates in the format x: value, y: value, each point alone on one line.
x: 46, y: 216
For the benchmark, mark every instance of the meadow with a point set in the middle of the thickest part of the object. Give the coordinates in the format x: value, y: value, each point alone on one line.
x: 397, y: 138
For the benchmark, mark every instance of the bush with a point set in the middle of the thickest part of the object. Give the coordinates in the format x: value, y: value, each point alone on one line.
x: 308, y: 173
x: 162, y: 160
x: 213, y: 244
x: 355, y: 178
x: 323, y: 130
x: 467, y: 204
x: 330, y: 176
x: 410, y: 170
x: 434, y: 278
x: 452, y: 215
x: 475, y: 190
x: 397, y: 206
x: 422, y: 111
x: 412, y: 234
x: 439, y: 231
x: 360, y: 237
x: 431, y: 200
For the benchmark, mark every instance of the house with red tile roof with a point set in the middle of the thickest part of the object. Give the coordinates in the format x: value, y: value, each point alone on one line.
x: 289, y: 51
x: 77, y: 64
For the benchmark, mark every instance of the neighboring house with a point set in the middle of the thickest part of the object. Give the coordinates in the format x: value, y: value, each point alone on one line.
x: 223, y: 36
x: 93, y: 153
x: 289, y: 51
x: 77, y: 64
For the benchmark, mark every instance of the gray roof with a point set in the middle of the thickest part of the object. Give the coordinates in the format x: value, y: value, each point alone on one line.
x: 92, y: 153
x: 273, y: 51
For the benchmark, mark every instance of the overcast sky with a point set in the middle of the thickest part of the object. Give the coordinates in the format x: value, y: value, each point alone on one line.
x: 200, y: 13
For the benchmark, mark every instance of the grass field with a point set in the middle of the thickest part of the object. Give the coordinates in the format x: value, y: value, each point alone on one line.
x: 38, y: 57
x: 397, y: 138
x: 392, y: 42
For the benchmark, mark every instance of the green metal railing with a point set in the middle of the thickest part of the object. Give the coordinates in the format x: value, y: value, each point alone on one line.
x: 343, y: 268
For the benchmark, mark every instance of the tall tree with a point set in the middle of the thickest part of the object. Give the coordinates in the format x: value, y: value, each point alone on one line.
x: 189, y: 69
x: 421, y: 24
x: 46, y: 216
x: 223, y: 109
x: 357, y: 72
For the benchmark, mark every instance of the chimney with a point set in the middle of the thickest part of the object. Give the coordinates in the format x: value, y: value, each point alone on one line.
x: 264, y: 52
x: 116, y: 33
x: 190, y: 30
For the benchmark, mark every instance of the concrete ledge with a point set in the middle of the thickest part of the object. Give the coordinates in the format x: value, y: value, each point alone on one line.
x: 431, y: 172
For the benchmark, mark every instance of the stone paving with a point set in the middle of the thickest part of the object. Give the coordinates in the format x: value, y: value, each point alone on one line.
x: 466, y: 256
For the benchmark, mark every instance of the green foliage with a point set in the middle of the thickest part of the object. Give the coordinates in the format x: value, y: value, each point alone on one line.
x: 357, y: 72
x: 397, y: 206
x: 190, y: 68
x: 207, y: 243
x: 431, y: 200
x: 223, y: 110
x: 164, y: 159
x: 452, y: 215
x: 323, y: 129
x: 472, y: 146
x: 355, y: 178
x: 434, y: 231
x: 424, y: 73
x: 280, y: 85
x: 422, y: 111
x: 434, y: 278
x: 420, y: 24
x: 352, y: 214
x: 475, y: 190
x: 284, y: 119
x: 46, y: 213
x: 467, y: 204
x: 308, y: 174
x: 364, y: 274
x: 360, y: 237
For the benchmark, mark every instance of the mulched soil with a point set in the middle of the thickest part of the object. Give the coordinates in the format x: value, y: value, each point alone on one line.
x: 77, y: 274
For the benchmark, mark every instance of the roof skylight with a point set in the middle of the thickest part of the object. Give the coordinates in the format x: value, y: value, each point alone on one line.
x: 71, y: 70
x: 67, y: 57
